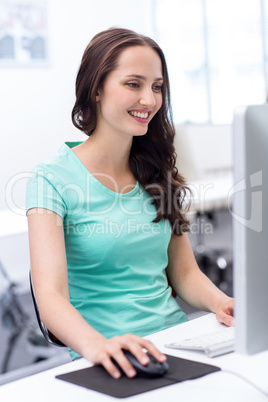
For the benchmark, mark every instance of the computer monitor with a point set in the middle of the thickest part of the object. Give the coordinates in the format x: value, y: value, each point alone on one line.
x: 250, y: 227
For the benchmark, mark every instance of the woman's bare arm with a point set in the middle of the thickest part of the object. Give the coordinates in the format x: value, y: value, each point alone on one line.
x: 50, y: 281
x: 192, y: 285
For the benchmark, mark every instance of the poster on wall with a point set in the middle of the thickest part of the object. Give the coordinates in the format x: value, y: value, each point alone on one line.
x: 23, y: 33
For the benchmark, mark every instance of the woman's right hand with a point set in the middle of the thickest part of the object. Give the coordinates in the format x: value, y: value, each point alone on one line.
x: 103, y: 351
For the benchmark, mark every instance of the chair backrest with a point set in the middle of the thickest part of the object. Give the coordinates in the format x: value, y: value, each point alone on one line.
x: 52, y: 339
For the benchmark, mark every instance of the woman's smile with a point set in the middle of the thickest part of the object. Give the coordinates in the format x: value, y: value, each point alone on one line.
x: 141, y: 116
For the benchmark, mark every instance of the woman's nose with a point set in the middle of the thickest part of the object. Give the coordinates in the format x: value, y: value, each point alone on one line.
x: 148, y: 98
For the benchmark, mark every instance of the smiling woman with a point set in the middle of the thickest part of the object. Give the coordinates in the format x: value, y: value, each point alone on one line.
x: 124, y: 94
x: 106, y: 217
x: 114, y: 60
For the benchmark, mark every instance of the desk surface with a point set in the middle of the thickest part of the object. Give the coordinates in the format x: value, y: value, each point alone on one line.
x: 220, y: 386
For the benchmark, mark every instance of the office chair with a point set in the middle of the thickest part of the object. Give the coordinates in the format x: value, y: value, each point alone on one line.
x: 49, y: 337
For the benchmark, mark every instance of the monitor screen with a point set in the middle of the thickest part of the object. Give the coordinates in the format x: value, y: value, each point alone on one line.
x: 250, y: 227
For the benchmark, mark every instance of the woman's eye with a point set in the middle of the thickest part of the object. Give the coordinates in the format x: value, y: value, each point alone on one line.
x: 132, y: 84
x: 158, y: 88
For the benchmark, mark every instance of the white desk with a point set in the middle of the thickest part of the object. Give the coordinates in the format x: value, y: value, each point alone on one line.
x: 217, y: 387
x: 211, y: 193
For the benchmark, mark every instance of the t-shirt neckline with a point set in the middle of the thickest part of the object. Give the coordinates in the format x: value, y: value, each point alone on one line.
x: 69, y: 145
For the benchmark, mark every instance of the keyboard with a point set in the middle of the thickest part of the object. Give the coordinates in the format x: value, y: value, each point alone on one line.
x: 213, y: 343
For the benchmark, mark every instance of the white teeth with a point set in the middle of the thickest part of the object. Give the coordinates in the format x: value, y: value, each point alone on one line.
x: 139, y: 114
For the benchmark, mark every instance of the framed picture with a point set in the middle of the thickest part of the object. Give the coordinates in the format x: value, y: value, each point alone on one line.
x: 23, y: 33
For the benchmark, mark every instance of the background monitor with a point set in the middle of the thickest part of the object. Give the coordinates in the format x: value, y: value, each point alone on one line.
x: 250, y: 227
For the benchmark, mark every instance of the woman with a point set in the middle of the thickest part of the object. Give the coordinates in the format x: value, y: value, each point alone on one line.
x: 106, y: 219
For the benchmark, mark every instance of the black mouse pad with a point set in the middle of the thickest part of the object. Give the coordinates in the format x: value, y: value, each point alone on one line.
x: 96, y: 378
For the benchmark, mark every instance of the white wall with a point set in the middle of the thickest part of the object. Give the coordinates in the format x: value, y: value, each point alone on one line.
x: 36, y: 103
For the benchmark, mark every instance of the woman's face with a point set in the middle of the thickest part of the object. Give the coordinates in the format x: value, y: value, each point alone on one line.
x: 132, y: 93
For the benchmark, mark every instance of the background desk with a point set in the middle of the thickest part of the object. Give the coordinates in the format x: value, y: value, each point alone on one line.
x: 215, y: 387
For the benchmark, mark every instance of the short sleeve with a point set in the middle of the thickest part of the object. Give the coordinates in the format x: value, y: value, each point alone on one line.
x: 43, y: 192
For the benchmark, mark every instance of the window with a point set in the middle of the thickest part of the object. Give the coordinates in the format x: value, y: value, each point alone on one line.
x: 217, y: 55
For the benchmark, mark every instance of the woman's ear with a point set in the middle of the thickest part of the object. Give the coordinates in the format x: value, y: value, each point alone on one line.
x: 97, y: 96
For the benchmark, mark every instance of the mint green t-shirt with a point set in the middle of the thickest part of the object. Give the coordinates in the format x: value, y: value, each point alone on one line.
x: 116, y: 255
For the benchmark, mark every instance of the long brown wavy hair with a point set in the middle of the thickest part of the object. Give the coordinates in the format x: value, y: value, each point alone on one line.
x: 152, y: 157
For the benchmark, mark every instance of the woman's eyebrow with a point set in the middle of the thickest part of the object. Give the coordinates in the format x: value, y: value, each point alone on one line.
x: 142, y: 77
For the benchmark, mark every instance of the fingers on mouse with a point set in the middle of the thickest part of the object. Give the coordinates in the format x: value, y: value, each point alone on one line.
x: 153, y: 369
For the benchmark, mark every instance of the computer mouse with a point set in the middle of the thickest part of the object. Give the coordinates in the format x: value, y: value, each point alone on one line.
x: 153, y: 369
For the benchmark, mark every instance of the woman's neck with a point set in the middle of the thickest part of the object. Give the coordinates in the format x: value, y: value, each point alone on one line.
x: 105, y: 153
x: 108, y: 161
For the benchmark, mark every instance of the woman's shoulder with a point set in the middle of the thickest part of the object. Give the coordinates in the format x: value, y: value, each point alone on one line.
x: 59, y: 164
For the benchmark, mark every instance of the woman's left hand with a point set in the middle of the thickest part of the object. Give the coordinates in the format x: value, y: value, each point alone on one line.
x: 225, y: 312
